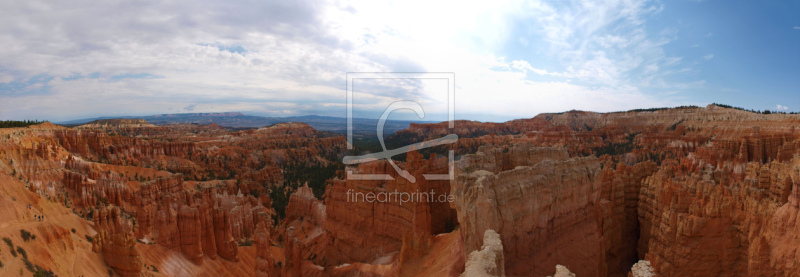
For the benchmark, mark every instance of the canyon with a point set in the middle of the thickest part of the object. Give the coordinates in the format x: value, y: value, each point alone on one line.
x: 689, y: 191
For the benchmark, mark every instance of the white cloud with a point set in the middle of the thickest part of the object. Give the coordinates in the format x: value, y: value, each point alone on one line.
x: 782, y: 108
x: 797, y: 27
x: 298, y: 53
x: 5, y: 78
x: 709, y: 35
x: 708, y: 57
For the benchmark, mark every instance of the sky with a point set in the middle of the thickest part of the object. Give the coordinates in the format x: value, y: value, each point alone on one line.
x: 65, y: 60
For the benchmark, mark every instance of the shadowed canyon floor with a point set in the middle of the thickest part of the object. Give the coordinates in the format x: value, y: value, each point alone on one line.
x: 665, y: 192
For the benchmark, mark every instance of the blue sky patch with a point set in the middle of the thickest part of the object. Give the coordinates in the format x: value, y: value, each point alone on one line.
x: 35, y: 84
x: 236, y: 49
x: 136, y: 76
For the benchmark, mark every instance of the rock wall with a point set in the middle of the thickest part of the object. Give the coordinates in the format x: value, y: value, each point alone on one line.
x: 206, y: 224
x: 546, y: 214
x: 704, y: 221
x: 156, y: 180
x: 265, y: 263
x: 116, y: 243
x: 302, y: 203
x: 168, y: 235
x: 191, y: 231
x: 360, y: 230
x: 226, y: 246
x: 620, y: 186
x: 695, y: 191
x: 209, y: 239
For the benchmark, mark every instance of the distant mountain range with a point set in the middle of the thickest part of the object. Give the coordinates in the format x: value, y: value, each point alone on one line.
x: 238, y: 120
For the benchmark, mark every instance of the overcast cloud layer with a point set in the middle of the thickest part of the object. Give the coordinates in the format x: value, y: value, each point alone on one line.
x: 64, y: 60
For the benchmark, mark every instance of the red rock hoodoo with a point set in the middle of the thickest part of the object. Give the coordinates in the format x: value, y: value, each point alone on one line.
x: 663, y: 192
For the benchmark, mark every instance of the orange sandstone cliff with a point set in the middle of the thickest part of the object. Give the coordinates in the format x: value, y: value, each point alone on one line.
x: 664, y: 192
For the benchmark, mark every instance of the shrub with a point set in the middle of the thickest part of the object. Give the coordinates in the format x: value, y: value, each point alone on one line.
x: 29, y: 265
x: 247, y: 242
x: 88, y: 238
x: 23, y: 253
x: 73, y: 230
x: 41, y: 272
x: 26, y: 236
x: 10, y: 245
x: 111, y: 272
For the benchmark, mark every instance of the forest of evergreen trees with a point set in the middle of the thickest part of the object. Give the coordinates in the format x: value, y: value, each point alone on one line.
x: 751, y: 110
x: 15, y: 123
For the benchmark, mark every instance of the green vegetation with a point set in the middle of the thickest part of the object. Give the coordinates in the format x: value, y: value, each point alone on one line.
x: 29, y: 265
x: 641, y: 110
x: 362, y: 145
x: 16, y: 124
x: 10, y: 245
x: 450, y: 225
x: 675, y: 126
x: 727, y: 106
x: 365, y: 145
x: 693, y: 107
x: 73, y: 230
x: 663, y: 108
x: 247, y: 242
x: 38, y: 271
x: 619, y: 148
x: 751, y: 110
x: 88, y: 238
x: 280, y: 199
x: 41, y: 272
x: 26, y: 236
x: 314, y: 174
x: 297, y: 174
x: 22, y: 252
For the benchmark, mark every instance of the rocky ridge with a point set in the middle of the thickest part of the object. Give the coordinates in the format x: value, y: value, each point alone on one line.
x: 691, y: 191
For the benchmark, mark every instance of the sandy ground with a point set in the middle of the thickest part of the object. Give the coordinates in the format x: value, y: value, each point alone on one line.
x: 55, y: 247
x: 173, y: 263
